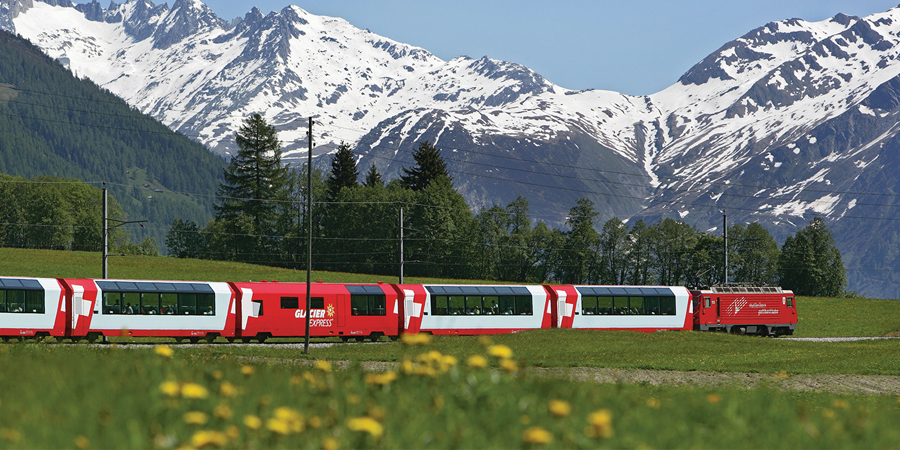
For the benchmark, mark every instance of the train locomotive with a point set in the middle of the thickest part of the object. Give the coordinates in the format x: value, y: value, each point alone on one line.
x: 192, y: 311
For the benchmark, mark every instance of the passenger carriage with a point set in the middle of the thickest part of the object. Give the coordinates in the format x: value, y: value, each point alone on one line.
x: 34, y: 307
x: 178, y: 309
x: 347, y: 311
x: 474, y: 309
x: 637, y: 308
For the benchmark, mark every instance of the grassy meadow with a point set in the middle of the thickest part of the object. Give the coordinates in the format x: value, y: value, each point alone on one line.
x: 441, y: 392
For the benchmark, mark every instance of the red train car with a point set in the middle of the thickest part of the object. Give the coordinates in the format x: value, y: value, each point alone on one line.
x: 636, y: 308
x: 358, y: 311
x: 179, y: 309
x: 474, y: 309
x: 745, y: 310
x: 35, y: 307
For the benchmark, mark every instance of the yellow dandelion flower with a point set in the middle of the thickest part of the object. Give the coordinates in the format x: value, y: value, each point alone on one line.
x: 713, y: 398
x: 500, y: 351
x: 296, y: 380
x: 407, y: 366
x: 560, y: 408
x: 223, y: 411
x: 217, y: 374
x: 381, y: 379
x: 653, y: 402
x: 314, y: 422
x: 247, y: 370
x: 537, y: 435
x: 353, y: 399
x: 477, y: 362
x: 232, y: 432
x: 840, y: 404
x: 194, y: 390
x: 164, y: 351
x: 82, y: 442
x: 447, y: 362
x: 170, y: 388
x: 227, y: 389
x: 330, y: 443
x: 278, y: 426
x: 323, y: 365
x: 509, y: 365
x: 828, y: 413
x: 195, y: 418
x: 415, y: 339
x: 204, y: 438
x: 308, y: 376
x: 367, y: 424
x: 252, y: 422
x: 484, y: 340
x: 292, y: 418
x: 376, y: 413
x: 600, y: 424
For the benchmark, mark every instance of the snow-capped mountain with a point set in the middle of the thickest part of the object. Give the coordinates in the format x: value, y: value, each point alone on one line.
x: 791, y: 120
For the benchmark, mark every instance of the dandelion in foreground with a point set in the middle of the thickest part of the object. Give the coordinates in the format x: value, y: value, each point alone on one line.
x: 170, y: 388
x: 653, y: 402
x: 560, y: 408
x: 500, y: 351
x: 194, y: 390
x: 415, y: 339
x: 82, y: 442
x: 367, y: 424
x: 509, y: 365
x: 164, y: 351
x: 381, y: 379
x: 537, y: 435
x: 252, y: 422
x: 600, y: 424
x: 247, y: 370
x: 223, y: 411
x: 477, y: 362
x: 330, y: 443
x: 323, y: 365
x: 227, y: 389
x: 195, y: 418
x: 204, y: 438
x: 713, y: 398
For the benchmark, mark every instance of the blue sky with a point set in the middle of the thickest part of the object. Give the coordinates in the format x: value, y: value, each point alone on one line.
x: 635, y: 47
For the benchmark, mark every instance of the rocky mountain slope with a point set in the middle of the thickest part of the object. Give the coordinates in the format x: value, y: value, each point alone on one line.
x: 792, y: 120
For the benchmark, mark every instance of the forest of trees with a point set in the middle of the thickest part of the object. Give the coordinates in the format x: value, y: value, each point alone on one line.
x: 261, y: 218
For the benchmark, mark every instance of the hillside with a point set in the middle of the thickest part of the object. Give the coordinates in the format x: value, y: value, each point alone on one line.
x: 52, y: 123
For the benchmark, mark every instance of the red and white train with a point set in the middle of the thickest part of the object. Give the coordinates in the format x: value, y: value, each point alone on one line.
x: 184, y: 310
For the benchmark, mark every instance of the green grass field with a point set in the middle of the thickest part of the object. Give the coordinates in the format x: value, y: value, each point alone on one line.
x: 460, y: 392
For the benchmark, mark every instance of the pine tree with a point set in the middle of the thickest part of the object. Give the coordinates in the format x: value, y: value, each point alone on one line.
x: 429, y: 165
x: 254, y: 176
x: 373, y: 178
x: 343, y: 172
x: 810, y: 263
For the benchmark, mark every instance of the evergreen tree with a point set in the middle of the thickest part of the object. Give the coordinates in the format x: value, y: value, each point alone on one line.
x: 753, y: 254
x: 615, y: 246
x: 579, y: 264
x: 373, y: 178
x: 429, y: 165
x: 343, y: 172
x: 254, y: 175
x: 810, y: 263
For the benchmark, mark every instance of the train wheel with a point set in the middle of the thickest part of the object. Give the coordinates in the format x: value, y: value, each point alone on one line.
x: 345, y: 338
x: 194, y: 340
x: 245, y: 340
x: 179, y: 339
x: 210, y: 338
x: 374, y: 337
x: 230, y: 340
x: 261, y: 338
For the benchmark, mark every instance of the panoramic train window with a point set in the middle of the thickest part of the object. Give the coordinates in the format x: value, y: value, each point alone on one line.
x: 21, y: 296
x: 626, y: 301
x: 157, y: 298
x: 480, y: 300
x: 364, y: 301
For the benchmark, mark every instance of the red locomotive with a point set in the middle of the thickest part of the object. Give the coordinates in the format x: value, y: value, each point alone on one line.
x: 185, y: 310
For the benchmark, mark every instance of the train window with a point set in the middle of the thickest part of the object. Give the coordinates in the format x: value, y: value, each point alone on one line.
x: 112, y: 303
x: 187, y: 303
x: 258, y: 306
x: 706, y: 302
x: 131, y: 302
x: 150, y: 303
x: 790, y: 302
x: 523, y: 305
x: 474, y: 304
x: 359, y: 305
x: 636, y: 305
x: 457, y: 304
x: 34, y: 302
x: 605, y: 305
x: 439, y: 305
x: 491, y: 305
x: 317, y: 303
x: 667, y: 306
x: 588, y: 305
x: 206, y: 303
x: 362, y: 305
x: 376, y: 305
x: 290, y: 303
x: 507, y: 304
x: 3, y: 306
x: 168, y: 303
x: 651, y: 305
x: 620, y: 305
